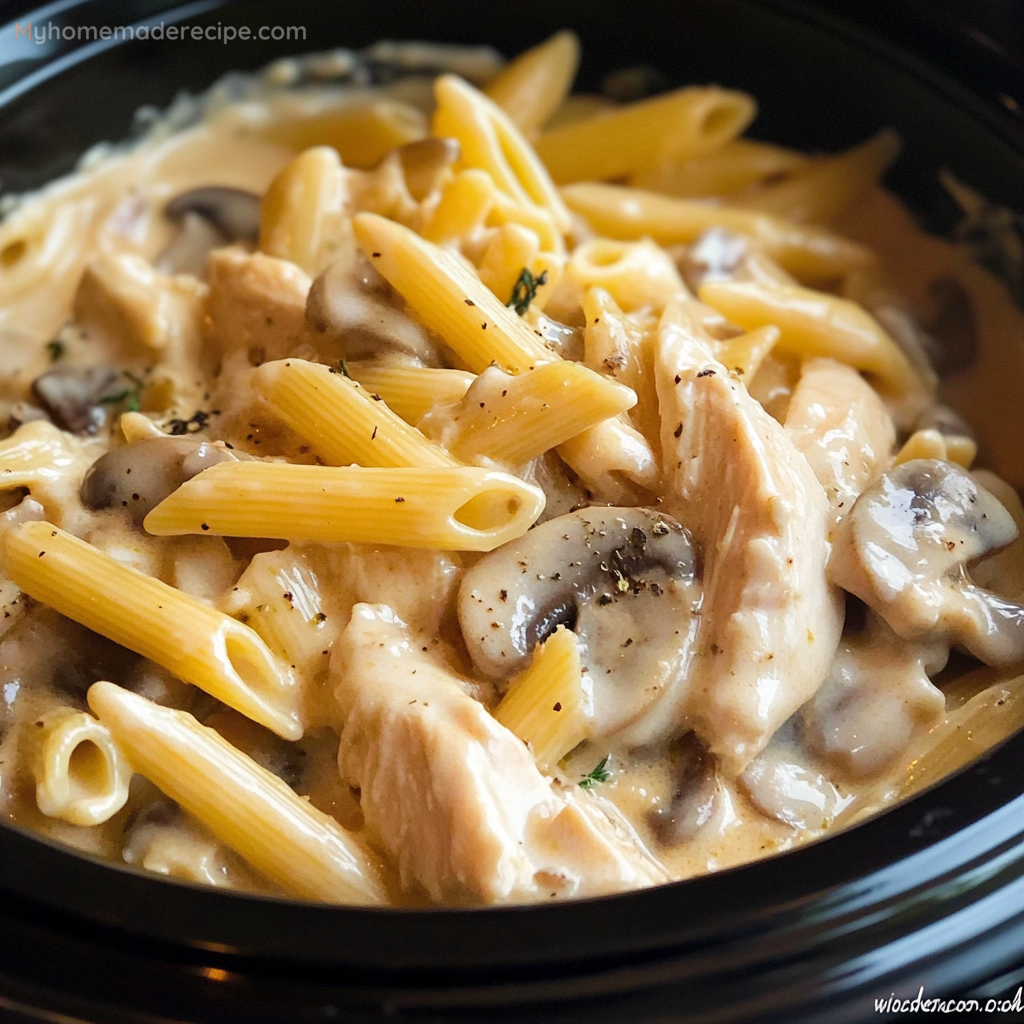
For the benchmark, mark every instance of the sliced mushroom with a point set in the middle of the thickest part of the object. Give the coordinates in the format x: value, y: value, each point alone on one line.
x: 74, y: 396
x: 424, y: 162
x: 624, y: 579
x: 234, y: 212
x: 352, y: 305
x: 904, y: 548
x: 876, y: 696
x: 139, y: 476
x: 210, y: 217
x: 189, y: 249
x: 781, y: 786
x: 696, y: 795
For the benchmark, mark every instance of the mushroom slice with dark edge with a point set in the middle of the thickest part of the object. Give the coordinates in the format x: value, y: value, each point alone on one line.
x: 904, y: 548
x: 75, y: 396
x: 625, y: 580
x: 696, y: 794
x: 352, y: 305
x: 781, y: 786
x: 140, y: 475
x: 210, y: 217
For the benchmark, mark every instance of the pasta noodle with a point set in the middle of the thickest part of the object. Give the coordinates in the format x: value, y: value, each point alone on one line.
x: 547, y: 706
x: 533, y: 86
x: 643, y: 135
x: 810, y: 254
x: 412, y: 391
x: 296, y: 846
x: 81, y: 774
x: 344, y: 422
x: 516, y: 419
x: 450, y: 299
x: 457, y: 508
x: 223, y: 657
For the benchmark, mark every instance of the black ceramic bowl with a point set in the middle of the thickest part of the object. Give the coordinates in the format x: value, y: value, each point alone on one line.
x: 930, y: 894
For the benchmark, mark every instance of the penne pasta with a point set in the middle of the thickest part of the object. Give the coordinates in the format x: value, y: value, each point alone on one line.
x: 412, y: 391
x: 195, y: 642
x: 534, y: 85
x: 363, y: 133
x: 811, y: 254
x: 515, y: 419
x: 449, y: 298
x: 635, y: 274
x: 822, y: 189
x: 625, y: 140
x: 303, y: 214
x: 737, y: 165
x: 462, y: 209
x: 457, y: 509
x: 745, y: 354
x: 931, y: 444
x: 344, y: 422
x: 817, y: 324
x: 282, y: 836
x: 81, y: 775
x: 490, y: 141
x: 547, y: 706
x: 614, y: 460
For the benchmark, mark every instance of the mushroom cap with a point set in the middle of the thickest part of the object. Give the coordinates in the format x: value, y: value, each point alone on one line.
x: 138, y: 476
x: 233, y: 211
x: 904, y: 546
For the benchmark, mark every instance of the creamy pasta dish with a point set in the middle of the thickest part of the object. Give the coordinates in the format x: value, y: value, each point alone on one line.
x: 426, y: 486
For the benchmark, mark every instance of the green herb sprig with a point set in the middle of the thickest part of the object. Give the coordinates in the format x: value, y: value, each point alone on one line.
x: 131, y: 397
x: 597, y: 775
x: 524, y: 291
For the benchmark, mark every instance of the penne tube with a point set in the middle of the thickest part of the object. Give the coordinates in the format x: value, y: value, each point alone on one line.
x: 811, y: 254
x: 363, y: 133
x: 745, y: 354
x: 449, y: 298
x: 534, y: 85
x: 515, y: 419
x: 546, y: 706
x: 456, y: 509
x: 282, y: 836
x: 817, y: 324
x: 824, y: 188
x: 81, y: 775
x: 931, y: 444
x: 412, y: 391
x: 626, y: 140
x: 490, y: 141
x: 614, y: 460
x: 635, y: 274
x: 193, y: 641
x: 461, y: 211
x: 303, y: 216
x: 343, y: 422
x: 737, y: 165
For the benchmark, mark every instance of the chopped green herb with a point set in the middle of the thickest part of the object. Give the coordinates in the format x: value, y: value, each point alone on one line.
x: 56, y: 349
x: 129, y: 396
x: 598, y: 775
x: 524, y: 291
x: 343, y: 366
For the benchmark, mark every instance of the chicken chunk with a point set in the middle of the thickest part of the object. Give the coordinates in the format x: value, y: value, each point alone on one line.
x: 257, y: 304
x: 843, y: 429
x: 454, y: 797
x: 770, y: 622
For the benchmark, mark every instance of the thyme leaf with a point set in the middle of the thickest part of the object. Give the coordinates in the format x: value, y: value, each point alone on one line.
x: 524, y: 291
x: 56, y: 349
x: 131, y: 397
x: 597, y: 775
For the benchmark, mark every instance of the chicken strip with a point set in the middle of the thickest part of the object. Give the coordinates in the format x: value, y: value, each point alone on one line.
x: 770, y: 622
x: 454, y: 797
x: 843, y: 429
